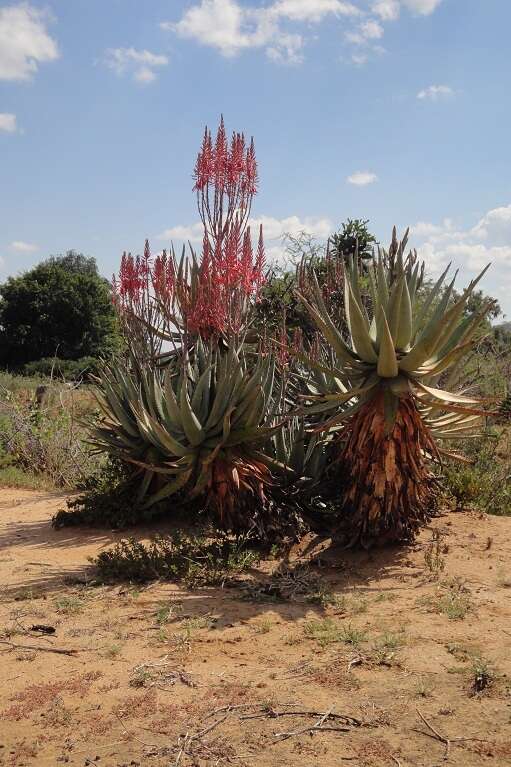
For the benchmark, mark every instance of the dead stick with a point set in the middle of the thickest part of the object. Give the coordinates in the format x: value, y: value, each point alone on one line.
x: 201, y: 733
x: 437, y: 735
x: 311, y: 729
x: 58, y: 650
x: 324, y: 717
x: 276, y: 714
x: 131, y: 734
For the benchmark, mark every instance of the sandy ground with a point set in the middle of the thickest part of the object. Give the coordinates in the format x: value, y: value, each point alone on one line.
x: 159, y: 675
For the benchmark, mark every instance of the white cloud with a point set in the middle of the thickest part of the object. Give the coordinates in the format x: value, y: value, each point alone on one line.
x: 312, y: 10
x: 141, y: 64
x: 435, y: 92
x: 422, y: 7
x: 231, y: 28
x: 181, y: 233
x: 221, y: 24
x: 8, y: 122
x: 275, y: 228
x: 366, y: 33
x: 360, y: 59
x: 23, y: 247
x: 424, y: 229
x: 495, y: 225
x: 372, y: 30
x: 287, y: 50
x: 387, y: 10
x: 24, y: 41
x: 489, y: 240
x: 362, y: 178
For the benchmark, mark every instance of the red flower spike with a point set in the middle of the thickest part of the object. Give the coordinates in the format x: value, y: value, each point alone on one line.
x: 214, y: 300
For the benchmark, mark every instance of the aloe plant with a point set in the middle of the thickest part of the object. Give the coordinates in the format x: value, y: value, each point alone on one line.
x: 386, y: 403
x: 198, y: 428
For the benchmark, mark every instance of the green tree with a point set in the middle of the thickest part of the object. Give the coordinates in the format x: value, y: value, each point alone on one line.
x: 61, y: 307
x: 352, y: 235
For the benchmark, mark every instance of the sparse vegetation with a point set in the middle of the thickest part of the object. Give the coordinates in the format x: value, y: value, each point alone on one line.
x: 327, y: 632
x: 433, y: 558
x: 193, y: 559
x: 43, y: 444
x: 483, y: 675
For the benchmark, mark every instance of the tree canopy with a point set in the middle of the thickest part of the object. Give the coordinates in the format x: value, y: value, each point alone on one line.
x: 61, y: 307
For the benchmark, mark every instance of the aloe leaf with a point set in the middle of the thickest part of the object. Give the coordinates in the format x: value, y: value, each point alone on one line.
x: 338, y: 419
x: 383, y: 290
x: 170, y: 488
x: 438, y: 366
x: 405, y: 326
x: 445, y: 396
x: 432, y: 295
x: 393, y: 312
x: 331, y: 401
x: 200, y: 397
x: 331, y: 333
x: 191, y: 424
x: 387, y: 360
x: 360, y: 331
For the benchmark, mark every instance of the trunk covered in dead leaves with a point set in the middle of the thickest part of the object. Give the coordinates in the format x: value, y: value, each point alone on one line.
x: 389, y: 492
x: 239, y: 502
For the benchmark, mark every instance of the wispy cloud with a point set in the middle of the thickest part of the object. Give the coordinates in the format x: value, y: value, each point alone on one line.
x: 8, y: 122
x: 141, y: 65
x: 362, y: 178
x: 435, y: 93
x: 24, y: 41
x: 19, y: 246
x: 422, y: 7
x: 387, y: 10
x: 366, y: 32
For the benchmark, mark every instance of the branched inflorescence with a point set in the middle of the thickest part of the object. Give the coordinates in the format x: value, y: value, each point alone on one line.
x: 210, y: 295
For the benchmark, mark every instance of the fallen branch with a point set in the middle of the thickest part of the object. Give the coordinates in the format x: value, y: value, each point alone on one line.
x: 319, y: 726
x: 438, y: 736
x: 329, y: 715
x: 41, y: 648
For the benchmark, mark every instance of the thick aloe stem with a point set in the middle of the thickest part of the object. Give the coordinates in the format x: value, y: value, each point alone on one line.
x: 239, y: 502
x: 390, y: 490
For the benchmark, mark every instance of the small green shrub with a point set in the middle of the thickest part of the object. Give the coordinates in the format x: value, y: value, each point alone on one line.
x: 482, y: 675
x: 485, y: 483
x: 193, y: 559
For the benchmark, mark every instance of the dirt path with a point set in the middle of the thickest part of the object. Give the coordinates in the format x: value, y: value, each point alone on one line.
x: 164, y: 676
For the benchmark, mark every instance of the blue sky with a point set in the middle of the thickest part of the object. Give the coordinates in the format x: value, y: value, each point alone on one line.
x: 392, y: 110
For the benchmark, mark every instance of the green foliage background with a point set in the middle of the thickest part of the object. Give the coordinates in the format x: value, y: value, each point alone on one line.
x: 62, y: 307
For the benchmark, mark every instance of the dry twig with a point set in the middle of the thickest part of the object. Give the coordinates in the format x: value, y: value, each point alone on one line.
x: 438, y: 736
x: 58, y: 650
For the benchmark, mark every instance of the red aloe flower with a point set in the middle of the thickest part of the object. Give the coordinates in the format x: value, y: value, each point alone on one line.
x: 213, y: 295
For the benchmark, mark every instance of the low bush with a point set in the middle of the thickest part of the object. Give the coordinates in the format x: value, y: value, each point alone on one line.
x: 196, y: 560
x: 45, y: 437
x: 69, y: 370
x: 108, y: 499
x: 485, y: 483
